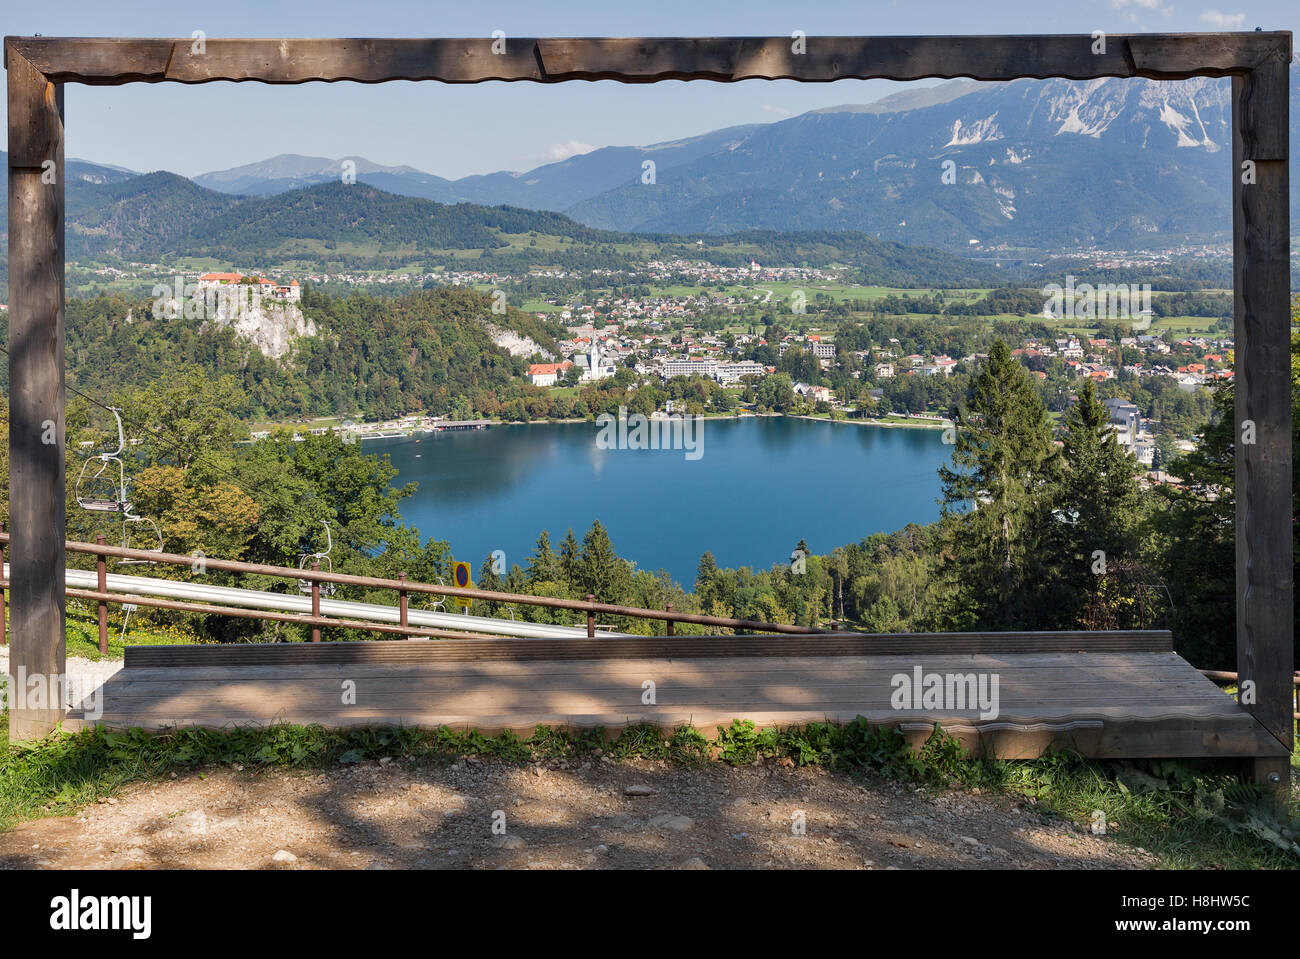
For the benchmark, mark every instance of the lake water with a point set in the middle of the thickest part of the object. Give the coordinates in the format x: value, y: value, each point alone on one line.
x: 760, y: 485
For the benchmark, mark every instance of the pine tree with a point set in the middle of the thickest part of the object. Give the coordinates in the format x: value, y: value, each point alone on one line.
x: 1095, y: 527
x: 1197, y: 543
x: 488, y: 578
x: 569, y: 560
x: 542, y: 564
x: 705, y: 574
x: 600, y: 570
x: 996, y: 497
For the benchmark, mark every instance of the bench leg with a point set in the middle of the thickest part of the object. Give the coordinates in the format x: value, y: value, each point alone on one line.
x: 1274, y: 774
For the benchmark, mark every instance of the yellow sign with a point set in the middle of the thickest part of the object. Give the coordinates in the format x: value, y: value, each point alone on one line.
x: 462, y: 575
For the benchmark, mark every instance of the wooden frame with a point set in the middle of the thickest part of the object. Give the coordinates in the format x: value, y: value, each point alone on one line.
x: 1258, y: 64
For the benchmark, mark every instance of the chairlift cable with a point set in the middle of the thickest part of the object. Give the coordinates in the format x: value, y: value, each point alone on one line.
x: 173, y: 448
x: 169, y: 444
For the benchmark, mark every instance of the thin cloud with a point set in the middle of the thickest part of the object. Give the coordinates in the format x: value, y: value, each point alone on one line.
x: 779, y: 111
x: 1155, y: 6
x: 1224, y: 21
x: 562, y: 151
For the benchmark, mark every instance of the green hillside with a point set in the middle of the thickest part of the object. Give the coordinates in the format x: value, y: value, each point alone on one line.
x: 337, y: 227
x: 374, y: 356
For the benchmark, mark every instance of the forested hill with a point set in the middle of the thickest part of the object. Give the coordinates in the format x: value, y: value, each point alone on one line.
x: 137, y: 218
x: 378, y: 356
x: 367, y: 220
x: 339, y: 227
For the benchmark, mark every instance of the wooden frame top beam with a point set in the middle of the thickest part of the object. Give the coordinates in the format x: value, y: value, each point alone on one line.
x: 114, y: 61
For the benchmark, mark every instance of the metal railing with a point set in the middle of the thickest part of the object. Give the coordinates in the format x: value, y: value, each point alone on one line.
x: 402, y: 586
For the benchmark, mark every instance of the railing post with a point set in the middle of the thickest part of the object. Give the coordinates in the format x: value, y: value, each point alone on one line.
x: 315, y: 602
x: 101, y: 583
x: 402, y: 614
x: 669, y: 622
x: 591, y: 618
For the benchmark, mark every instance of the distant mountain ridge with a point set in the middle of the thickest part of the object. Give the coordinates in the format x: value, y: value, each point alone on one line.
x: 554, y: 186
x: 1029, y: 163
x: 88, y: 172
x: 290, y: 171
x: 1038, y: 163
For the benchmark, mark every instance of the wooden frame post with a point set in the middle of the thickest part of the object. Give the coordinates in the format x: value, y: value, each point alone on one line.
x: 1262, y: 341
x: 36, y: 399
x: 4, y: 620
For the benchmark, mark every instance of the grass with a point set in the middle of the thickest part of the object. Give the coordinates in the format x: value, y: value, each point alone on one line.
x: 82, y: 632
x: 1189, y: 817
x: 783, y: 289
x: 1184, y: 324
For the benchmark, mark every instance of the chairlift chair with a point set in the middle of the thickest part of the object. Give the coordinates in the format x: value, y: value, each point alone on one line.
x: 438, y: 605
x: 304, y: 585
x: 91, y: 492
x: 127, y: 521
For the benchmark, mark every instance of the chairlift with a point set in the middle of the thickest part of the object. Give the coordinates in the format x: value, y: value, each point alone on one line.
x: 304, y: 585
x: 130, y: 519
x: 438, y: 605
x: 101, y: 492
x: 94, y: 498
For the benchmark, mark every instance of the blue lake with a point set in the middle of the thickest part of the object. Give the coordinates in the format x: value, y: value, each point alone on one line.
x: 760, y: 485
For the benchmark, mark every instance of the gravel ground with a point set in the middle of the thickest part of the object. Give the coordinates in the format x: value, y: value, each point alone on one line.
x: 592, y: 815
x: 84, y: 676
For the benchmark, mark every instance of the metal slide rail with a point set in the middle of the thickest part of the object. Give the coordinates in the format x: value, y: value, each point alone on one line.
x: 312, y: 610
x: 82, y: 580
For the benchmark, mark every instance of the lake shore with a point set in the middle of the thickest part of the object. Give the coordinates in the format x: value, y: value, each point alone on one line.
x: 893, y: 422
x: 917, y: 424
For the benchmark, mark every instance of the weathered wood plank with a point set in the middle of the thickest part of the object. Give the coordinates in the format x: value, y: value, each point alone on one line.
x: 730, y: 672
x: 456, y: 650
x: 1113, y: 739
x: 35, y: 130
x: 166, y: 713
x: 1262, y: 292
x: 649, y: 59
x: 712, y: 673
x: 1157, y: 666
x: 36, y: 397
x: 1024, y: 698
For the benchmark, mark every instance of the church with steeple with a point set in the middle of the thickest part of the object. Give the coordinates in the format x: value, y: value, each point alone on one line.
x: 594, y: 366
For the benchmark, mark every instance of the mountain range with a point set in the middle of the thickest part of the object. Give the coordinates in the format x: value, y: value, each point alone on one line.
x: 1030, y: 163
x: 1035, y: 165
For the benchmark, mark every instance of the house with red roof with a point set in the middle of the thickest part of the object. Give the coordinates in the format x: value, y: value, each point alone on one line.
x: 546, y: 374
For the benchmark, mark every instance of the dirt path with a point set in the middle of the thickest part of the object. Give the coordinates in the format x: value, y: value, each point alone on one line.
x: 400, y: 814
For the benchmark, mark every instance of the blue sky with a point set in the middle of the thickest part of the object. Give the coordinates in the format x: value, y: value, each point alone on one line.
x: 459, y: 130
